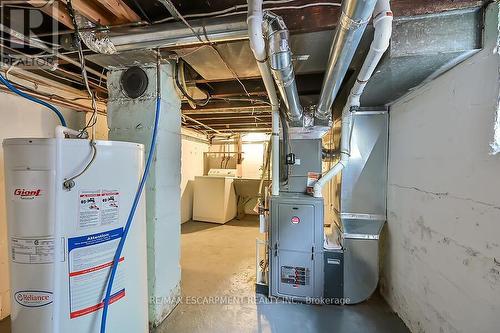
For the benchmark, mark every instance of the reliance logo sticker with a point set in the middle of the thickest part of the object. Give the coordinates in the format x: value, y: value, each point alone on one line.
x: 33, y: 298
x: 26, y: 194
x: 295, y: 220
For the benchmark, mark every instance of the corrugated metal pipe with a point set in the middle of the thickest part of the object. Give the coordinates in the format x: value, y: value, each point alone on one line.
x: 258, y: 46
x: 280, y: 61
x: 97, y: 41
x: 382, y: 23
x: 352, y: 23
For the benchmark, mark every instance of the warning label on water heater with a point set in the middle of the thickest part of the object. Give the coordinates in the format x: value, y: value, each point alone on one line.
x: 98, y: 207
x: 90, y: 260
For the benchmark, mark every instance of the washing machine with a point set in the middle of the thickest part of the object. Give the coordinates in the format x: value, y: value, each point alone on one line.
x: 214, y: 196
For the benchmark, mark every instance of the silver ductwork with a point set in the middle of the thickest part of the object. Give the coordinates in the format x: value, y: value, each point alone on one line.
x: 280, y: 61
x: 176, y: 34
x: 353, y: 20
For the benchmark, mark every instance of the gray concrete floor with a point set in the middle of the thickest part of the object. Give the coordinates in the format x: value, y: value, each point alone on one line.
x: 219, y: 261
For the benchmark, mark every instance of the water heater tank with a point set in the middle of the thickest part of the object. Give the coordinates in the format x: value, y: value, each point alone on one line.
x: 62, y: 242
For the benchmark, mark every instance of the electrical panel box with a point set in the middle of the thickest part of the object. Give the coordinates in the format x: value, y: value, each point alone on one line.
x: 297, y: 246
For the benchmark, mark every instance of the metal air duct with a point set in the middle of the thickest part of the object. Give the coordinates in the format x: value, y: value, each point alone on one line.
x: 280, y: 61
x: 353, y: 20
x: 177, y: 34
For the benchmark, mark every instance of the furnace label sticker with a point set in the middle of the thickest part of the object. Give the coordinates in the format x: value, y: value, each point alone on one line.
x: 90, y: 206
x: 312, y: 178
x: 32, y: 250
x: 296, y: 276
x: 98, y: 208
x: 90, y: 260
x: 110, y: 203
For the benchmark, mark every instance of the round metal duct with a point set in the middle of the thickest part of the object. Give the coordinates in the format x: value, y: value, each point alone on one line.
x: 134, y: 82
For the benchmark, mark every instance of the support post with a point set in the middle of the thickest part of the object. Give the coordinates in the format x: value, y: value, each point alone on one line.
x: 132, y: 120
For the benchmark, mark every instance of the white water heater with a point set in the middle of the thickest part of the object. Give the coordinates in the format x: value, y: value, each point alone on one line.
x: 62, y: 242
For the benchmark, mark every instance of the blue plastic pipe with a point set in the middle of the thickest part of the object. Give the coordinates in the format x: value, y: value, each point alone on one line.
x: 130, y: 218
x: 33, y: 99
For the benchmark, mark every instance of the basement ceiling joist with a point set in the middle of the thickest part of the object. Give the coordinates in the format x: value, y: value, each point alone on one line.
x: 102, y: 12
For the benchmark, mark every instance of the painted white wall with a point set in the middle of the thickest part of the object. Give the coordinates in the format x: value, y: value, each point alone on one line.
x: 191, y: 166
x: 253, y: 157
x: 21, y: 118
x: 441, y: 269
x: 253, y: 160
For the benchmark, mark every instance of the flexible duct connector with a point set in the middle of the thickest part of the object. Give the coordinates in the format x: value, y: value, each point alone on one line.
x: 352, y: 24
x: 382, y: 23
x: 97, y: 41
x: 280, y: 61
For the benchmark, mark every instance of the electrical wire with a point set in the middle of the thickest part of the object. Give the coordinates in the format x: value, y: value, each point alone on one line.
x: 33, y: 99
x: 70, y: 182
x: 185, y: 93
x: 208, y: 96
x: 139, y: 7
x: 93, y: 118
x: 332, y: 4
x: 234, y: 8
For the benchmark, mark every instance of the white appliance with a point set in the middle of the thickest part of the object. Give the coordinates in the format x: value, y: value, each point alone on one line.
x: 214, y: 196
x: 62, y: 242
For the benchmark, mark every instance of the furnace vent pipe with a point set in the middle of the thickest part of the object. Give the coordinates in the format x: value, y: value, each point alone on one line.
x: 382, y: 23
x: 280, y: 61
x: 258, y: 46
x: 352, y: 23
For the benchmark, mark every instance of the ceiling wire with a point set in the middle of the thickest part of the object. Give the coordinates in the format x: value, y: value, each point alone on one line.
x: 329, y: 4
x: 234, y: 9
x: 210, y: 43
x: 144, y: 14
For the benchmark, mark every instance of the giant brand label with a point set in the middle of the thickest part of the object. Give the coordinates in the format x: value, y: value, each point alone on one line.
x: 33, y: 298
x: 26, y: 193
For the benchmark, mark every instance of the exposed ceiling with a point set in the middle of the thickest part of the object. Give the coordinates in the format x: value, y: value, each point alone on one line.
x: 429, y: 37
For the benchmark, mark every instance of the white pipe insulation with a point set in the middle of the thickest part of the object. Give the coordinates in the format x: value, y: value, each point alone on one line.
x: 382, y: 22
x: 258, y: 45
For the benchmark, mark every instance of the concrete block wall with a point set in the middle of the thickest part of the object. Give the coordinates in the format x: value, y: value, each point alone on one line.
x: 441, y: 268
x: 132, y: 120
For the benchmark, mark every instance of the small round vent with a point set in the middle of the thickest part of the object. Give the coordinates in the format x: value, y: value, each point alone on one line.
x: 134, y: 82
